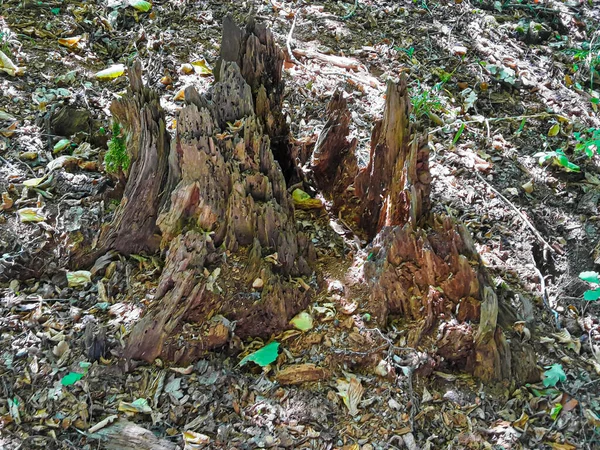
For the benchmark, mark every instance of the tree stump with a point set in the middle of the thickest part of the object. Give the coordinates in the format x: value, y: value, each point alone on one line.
x: 234, y: 254
x: 422, y: 268
x: 230, y: 220
x: 149, y: 178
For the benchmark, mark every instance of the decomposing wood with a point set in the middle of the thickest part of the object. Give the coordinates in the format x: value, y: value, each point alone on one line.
x: 335, y: 60
x: 125, y: 435
x: 301, y: 373
x: 231, y: 204
x: 229, y: 230
x: 422, y: 268
x: 149, y: 179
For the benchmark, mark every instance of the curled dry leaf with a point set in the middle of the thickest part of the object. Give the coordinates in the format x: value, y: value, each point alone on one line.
x: 70, y: 42
x: 351, y: 392
x: 7, y: 202
x: 6, y: 65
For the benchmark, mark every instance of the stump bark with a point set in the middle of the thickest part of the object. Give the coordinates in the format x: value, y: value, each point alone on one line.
x: 150, y: 176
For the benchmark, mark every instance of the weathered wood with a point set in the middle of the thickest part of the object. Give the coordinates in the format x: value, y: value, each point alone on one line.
x: 421, y: 268
x: 394, y: 187
x: 333, y: 162
x: 149, y: 179
x: 125, y: 435
x: 230, y: 209
x: 260, y: 60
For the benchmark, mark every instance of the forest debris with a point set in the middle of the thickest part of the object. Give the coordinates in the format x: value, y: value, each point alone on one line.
x: 6, y: 65
x: 351, y: 391
x: 338, y: 61
x: 111, y: 72
x: 79, y: 278
x: 304, y: 201
x: 301, y: 373
x: 125, y: 435
x: 258, y: 284
x: 302, y: 321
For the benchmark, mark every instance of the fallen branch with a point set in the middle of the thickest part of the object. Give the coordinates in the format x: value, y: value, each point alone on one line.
x: 338, y: 61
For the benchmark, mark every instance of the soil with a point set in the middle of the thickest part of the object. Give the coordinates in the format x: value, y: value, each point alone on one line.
x: 490, y: 83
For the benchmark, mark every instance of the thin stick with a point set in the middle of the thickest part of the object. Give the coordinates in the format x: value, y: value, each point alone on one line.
x: 499, y: 119
x: 288, y: 41
x: 520, y: 214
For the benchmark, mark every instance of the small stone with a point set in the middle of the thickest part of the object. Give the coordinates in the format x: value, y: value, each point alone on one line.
x: 258, y: 283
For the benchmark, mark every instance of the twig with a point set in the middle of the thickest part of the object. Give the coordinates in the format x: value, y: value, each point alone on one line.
x: 519, y: 213
x: 288, y: 41
x: 500, y: 119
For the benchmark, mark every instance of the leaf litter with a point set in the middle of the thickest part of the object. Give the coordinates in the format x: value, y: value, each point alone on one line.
x: 63, y: 383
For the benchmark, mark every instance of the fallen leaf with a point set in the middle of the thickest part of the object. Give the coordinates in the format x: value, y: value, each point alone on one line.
x: 6, y: 65
x: 70, y: 42
x: 31, y: 215
x: 263, y: 356
x: 79, y: 278
x: 111, y: 72
x: 302, y: 321
x: 201, y: 68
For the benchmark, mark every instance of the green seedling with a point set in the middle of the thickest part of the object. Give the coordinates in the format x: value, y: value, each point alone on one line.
x: 558, y: 158
x: 425, y: 102
x: 587, y: 141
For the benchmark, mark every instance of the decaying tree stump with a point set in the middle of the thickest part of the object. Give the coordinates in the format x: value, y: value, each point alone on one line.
x: 421, y: 268
x: 234, y: 253
x: 228, y: 212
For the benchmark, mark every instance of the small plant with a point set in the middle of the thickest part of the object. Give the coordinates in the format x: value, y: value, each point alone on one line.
x: 558, y: 158
x: 588, y: 141
x: 424, y: 101
x: 591, y: 295
x: 116, y: 158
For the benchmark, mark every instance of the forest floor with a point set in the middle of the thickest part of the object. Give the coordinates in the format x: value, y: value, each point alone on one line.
x: 508, y: 93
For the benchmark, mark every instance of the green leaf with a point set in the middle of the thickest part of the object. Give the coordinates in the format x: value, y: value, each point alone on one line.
x: 458, y: 133
x: 590, y: 277
x: 302, y: 321
x: 61, y: 145
x: 553, y: 375
x: 140, y: 5
x: 71, y: 378
x: 563, y: 161
x: 555, y: 411
x: 554, y: 130
x: 263, y: 356
x: 591, y: 295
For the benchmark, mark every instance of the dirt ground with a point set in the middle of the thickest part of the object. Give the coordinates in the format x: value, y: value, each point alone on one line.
x: 502, y: 88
